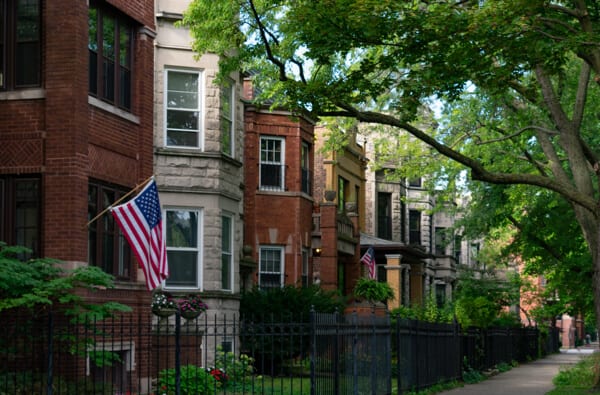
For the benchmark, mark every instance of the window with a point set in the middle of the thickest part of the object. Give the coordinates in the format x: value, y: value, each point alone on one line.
x: 415, y: 182
x: 343, y: 186
x: 226, y: 253
x: 414, y: 227
x: 305, y: 280
x: 227, y: 114
x: 305, y: 166
x: 402, y: 221
x: 20, y: 212
x: 20, y: 50
x: 111, y: 363
x: 457, y: 248
x: 271, y: 267
x: 107, y: 247
x: 384, y: 215
x: 440, y: 294
x: 110, y: 44
x: 183, y: 102
x: 474, y: 253
x: 272, y: 170
x: 183, y: 248
x: 440, y: 241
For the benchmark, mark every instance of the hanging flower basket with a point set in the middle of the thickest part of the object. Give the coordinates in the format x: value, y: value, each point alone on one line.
x: 191, y: 306
x: 190, y: 315
x: 164, y: 312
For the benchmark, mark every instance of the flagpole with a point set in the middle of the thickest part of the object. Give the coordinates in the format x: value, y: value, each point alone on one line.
x: 119, y: 200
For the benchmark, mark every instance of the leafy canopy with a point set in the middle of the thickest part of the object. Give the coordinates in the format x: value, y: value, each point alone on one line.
x: 42, y: 284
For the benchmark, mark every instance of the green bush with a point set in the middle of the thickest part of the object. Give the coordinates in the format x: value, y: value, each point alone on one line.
x: 373, y: 290
x: 237, y: 371
x: 265, y: 333
x: 194, y: 380
x: 289, y: 302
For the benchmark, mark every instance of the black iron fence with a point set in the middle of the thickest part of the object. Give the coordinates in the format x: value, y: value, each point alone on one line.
x: 325, y: 354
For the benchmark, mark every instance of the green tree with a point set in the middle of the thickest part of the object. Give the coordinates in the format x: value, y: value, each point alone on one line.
x: 379, y: 61
x: 481, y: 298
x: 41, y: 285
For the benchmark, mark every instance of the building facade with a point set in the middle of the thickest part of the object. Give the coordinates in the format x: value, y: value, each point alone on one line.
x: 198, y: 153
x: 75, y: 129
x: 278, y: 204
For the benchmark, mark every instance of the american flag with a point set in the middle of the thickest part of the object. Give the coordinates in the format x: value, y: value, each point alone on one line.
x: 140, y: 221
x: 369, y: 260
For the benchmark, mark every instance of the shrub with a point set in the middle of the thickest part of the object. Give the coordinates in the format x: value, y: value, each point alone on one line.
x: 234, y: 372
x: 194, y: 380
x: 373, y: 290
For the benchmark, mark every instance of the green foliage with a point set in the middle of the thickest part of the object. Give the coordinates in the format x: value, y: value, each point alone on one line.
x: 373, y: 290
x: 479, y: 300
x: 264, y: 310
x: 578, y: 379
x: 515, y: 80
x: 238, y: 370
x: 288, y: 302
x: 42, y: 284
x: 194, y: 380
x: 429, y: 313
x: 470, y: 375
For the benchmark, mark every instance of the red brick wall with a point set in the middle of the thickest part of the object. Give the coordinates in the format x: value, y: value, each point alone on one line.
x: 65, y: 139
x: 285, y: 217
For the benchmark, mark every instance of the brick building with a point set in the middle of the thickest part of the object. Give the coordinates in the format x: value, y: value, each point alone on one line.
x: 73, y: 138
x: 278, y: 203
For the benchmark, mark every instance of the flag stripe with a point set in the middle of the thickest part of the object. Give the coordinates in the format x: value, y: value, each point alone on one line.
x: 141, y: 224
x: 369, y: 259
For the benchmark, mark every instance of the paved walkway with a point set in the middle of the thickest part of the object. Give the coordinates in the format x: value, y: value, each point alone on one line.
x: 533, y: 378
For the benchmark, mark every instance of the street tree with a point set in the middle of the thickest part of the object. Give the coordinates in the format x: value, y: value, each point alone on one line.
x: 379, y: 61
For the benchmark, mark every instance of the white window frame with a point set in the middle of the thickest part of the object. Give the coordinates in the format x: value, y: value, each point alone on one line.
x: 281, y: 250
x: 199, y: 248
x: 229, y: 86
x: 281, y: 163
x: 228, y: 254
x: 200, y: 108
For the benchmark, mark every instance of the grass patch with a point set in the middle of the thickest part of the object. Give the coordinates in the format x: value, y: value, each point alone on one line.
x: 578, y: 379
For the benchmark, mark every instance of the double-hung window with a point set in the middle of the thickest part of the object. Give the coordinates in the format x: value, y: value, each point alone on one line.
x: 414, y: 227
x: 227, y: 114
x: 183, y: 104
x: 271, y: 268
x: 107, y: 246
x: 183, y: 228
x: 305, y: 168
x: 20, y: 205
x: 226, y: 253
x: 110, y: 47
x: 272, y: 163
x: 20, y: 44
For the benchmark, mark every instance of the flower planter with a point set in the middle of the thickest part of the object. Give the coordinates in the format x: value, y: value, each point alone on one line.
x: 190, y: 315
x: 164, y: 312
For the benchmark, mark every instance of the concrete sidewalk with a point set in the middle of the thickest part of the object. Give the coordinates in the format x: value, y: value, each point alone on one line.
x: 533, y: 378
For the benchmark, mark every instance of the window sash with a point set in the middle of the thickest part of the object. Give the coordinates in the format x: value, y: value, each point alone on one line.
x: 227, y: 117
x: 183, y: 242
x: 271, y: 269
x: 272, y: 163
x: 107, y: 246
x: 20, y: 44
x: 227, y: 253
x: 110, y: 46
x: 183, y: 103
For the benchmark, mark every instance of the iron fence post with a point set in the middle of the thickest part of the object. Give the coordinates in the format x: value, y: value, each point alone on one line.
x: 177, y: 353
x: 50, y: 353
x: 313, y: 350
